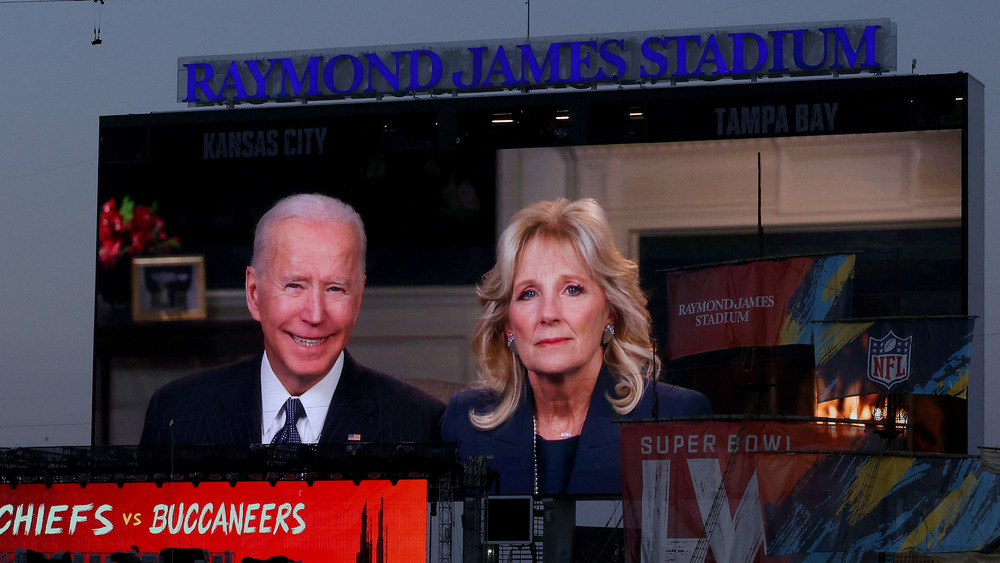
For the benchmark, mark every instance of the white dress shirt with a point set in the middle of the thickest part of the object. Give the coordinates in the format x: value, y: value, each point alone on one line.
x: 315, y: 401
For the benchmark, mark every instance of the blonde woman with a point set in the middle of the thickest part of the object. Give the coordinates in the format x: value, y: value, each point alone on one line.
x: 564, y: 349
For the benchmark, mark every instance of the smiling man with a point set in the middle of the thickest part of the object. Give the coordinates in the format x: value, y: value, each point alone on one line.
x: 304, y: 287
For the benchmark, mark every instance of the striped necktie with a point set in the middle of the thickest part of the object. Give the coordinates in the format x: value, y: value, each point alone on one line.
x: 289, y: 434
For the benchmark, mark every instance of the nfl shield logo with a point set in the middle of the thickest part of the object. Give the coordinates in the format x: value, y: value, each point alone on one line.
x: 889, y: 359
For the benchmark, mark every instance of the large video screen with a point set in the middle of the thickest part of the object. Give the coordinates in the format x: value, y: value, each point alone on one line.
x: 435, y: 181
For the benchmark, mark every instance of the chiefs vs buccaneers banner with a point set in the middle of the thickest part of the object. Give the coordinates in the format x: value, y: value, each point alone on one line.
x: 328, y: 521
x: 928, y: 356
x: 671, y: 477
x: 759, y: 303
x: 796, y: 491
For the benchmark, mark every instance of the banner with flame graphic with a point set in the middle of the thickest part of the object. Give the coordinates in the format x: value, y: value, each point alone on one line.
x: 928, y: 356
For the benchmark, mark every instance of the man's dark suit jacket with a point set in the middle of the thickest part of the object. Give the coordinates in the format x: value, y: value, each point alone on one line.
x: 597, y: 464
x: 222, y: 406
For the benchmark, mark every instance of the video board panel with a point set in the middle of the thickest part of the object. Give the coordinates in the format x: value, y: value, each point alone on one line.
x: 424, y: 173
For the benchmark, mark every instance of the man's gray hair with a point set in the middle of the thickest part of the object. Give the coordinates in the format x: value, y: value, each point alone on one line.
x: 314, y: 207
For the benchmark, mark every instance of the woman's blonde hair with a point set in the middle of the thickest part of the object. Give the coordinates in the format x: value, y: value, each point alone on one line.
x: 629, y: 355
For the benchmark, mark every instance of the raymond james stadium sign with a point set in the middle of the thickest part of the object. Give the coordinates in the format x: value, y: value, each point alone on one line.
x: 549, y: 62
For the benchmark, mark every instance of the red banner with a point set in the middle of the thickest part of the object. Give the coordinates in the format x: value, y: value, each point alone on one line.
x: 328, y: 521
x: 672, y: 472
x: 760, y: 303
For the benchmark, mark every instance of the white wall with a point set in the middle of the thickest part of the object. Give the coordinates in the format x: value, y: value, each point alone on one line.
x: 55, y: 85
x: 829, y: 182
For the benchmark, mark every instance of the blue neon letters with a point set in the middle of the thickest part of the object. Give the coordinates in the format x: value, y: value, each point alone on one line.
x: 520, y: 65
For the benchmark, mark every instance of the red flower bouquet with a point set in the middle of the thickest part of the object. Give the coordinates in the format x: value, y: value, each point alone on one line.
x: 131, y: 230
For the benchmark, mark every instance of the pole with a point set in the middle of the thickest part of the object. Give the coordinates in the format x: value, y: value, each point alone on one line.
x: 760, y: 223
x: 528, y: 32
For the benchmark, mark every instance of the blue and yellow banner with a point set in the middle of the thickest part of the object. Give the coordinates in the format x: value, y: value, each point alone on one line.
x: 927, y: 356
x: 846, y: 506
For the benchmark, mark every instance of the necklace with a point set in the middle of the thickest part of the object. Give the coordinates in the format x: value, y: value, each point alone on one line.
x: 534, y: 452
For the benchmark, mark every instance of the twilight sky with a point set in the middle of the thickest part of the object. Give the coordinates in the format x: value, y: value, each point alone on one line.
x: 56, y: 85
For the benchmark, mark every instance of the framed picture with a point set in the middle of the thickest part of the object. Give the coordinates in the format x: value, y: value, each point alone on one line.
x: 168, y: 288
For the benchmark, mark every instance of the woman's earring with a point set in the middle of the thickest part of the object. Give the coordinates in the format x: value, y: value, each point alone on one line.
x: 609, y: 331
x: 512, y: 343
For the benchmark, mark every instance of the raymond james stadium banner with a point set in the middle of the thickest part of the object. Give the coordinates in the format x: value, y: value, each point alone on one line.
x: 780, y: 504
x: 546, y: 62
x: 759, y: 303
x: 327, y: 522
x: 927, y: 356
